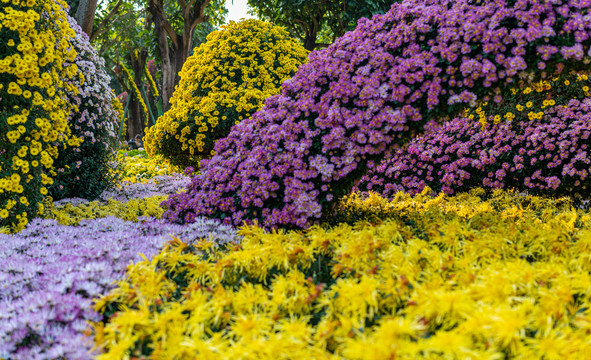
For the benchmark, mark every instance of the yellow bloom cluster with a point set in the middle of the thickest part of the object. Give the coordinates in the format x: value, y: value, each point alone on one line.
x: 136, y: 91
x: 152, y: 83
x: 69, y: 214
x: 33, y: 114
x: 531, y: 101
x: 440, y: 278
x: 137, y: 167
x: 226, y: 80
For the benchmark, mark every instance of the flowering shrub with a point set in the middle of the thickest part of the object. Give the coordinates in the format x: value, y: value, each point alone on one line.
x: 33, y: 113
x: 443, y: 278
x: 50, y: 273
x: 541, y: 145
x: 224, y: 81
x: 351, y: 103
x: 86, y: 170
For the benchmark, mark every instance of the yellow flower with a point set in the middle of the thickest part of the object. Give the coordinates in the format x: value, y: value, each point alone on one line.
x: 232, y: 84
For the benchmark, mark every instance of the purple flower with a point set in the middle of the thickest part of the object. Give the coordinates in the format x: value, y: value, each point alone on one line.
x: 338, y: 108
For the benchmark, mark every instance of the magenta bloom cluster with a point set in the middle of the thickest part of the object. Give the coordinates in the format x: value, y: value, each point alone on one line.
x: 50, y: 273
x: 353, y: 102
x: 551, y: 155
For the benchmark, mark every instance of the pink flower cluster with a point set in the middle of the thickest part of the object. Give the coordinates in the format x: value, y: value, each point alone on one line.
x: 550, y: 155
x: 373, y: 88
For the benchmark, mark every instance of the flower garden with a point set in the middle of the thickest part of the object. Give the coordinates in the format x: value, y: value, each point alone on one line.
x: 420, y: 189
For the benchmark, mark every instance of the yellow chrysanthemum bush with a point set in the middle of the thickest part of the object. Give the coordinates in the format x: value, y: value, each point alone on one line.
x: 445, y: 277
x: 224, y: 81
x: 33, y: 113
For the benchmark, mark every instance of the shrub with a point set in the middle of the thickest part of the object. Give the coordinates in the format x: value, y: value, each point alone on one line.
x: 86, y: 170
x: 444, y: 278
x: 224, y: 81
x: 375, y: 87
x: 33, y: 113
x: 540, y: 144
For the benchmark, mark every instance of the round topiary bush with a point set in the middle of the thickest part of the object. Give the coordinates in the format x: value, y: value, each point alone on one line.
x: 33, y: 113
x: 86, y: 170
x: 540, y: 144
x: 223, y: 82
x: 375, y: 87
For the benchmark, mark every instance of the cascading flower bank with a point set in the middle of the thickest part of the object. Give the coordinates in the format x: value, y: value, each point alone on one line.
x: 33, y: 113
x: 352, y: 102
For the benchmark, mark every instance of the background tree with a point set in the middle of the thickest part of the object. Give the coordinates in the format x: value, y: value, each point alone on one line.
x: 308, y: 20
x: 126, y: 37
x: 173, y: 25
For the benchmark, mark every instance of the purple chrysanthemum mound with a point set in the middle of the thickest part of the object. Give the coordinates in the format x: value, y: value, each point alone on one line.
x: 551, y: 155
x: 352, y: 102
x: 50, y: 273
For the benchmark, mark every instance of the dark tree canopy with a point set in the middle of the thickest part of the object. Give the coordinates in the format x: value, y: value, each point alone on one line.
x: 307, y: 19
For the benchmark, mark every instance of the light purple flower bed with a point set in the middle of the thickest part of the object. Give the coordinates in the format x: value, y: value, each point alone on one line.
x: 50, y: 273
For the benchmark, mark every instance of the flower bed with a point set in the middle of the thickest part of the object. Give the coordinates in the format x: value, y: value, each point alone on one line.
x: 136, y: 166
x: 433, y: 277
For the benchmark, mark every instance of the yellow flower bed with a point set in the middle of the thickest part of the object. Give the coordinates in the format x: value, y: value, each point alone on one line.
x: 137, y: 167
x: 71, y: 214
x: 226, y: 80
x: 440, y: 278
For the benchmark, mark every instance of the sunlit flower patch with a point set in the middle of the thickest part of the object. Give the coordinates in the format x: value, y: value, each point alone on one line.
x: 424, y: 277
x: 136, y: 166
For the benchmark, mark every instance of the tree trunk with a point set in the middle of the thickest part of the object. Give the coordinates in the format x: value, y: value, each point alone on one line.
x: 136, y: 121
x: 310, y: 41
x: 174, y: 48
x: 85, y: 15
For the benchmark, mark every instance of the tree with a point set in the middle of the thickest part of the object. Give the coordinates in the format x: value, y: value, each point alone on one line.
x: 174, y: 32
x: 306, y: 19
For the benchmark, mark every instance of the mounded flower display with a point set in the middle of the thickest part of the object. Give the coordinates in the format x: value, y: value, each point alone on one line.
x: 33, y: 111
x: 225, y: 81
x: 350, y: 104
